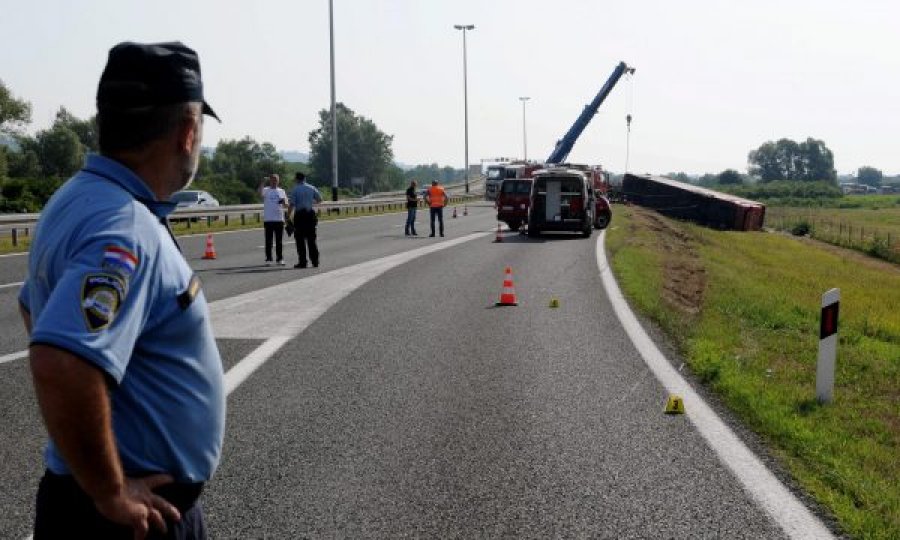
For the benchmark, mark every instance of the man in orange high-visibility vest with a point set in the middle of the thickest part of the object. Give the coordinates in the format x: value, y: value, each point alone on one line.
x: 437, y: 199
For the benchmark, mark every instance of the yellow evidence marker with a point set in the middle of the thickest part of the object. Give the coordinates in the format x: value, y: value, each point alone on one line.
x: 675, y: 405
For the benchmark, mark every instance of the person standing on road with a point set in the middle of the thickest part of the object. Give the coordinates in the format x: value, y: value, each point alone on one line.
x: 437, y: 199
x: 412, y: 201
x: 274, y: 202
x: 122, y: 354
x: 301, y: 201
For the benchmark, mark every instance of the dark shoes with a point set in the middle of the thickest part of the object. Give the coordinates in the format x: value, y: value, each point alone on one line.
x: 298, y: 265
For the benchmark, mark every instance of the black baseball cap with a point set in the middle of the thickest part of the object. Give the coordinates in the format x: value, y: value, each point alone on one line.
x: 141, y: 75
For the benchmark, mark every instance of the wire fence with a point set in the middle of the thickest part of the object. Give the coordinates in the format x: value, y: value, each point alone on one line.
x: 881, y: 242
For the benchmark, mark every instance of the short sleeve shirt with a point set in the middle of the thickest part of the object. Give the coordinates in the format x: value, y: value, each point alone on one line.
x: 303, y: 196
x: 273, y: 199
x: 107, y: 282
x: 411, y: 197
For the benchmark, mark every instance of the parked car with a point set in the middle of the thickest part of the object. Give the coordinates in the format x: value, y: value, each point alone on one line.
x: 194, y: 199
x: 512, y: 202
x: 561, y: 200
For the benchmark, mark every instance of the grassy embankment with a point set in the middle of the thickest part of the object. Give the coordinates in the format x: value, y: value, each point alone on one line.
x: 743, y: 309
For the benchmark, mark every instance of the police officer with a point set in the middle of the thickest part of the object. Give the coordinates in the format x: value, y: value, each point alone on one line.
x: 125, y: 367
x: 301, y: 202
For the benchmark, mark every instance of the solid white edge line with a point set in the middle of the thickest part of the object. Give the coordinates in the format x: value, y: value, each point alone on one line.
x: 8, y: 285
x: 13, y: 356
x: 777, y: 501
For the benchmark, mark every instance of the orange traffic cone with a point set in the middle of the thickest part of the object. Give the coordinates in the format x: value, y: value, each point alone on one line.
x: 210, y: 249
x: 508, y: 296
x: 465, y: 210
x: 454, y: 212
x: 499, y: 236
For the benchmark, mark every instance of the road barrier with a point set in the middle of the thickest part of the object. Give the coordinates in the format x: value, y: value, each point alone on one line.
x: 19, y: 226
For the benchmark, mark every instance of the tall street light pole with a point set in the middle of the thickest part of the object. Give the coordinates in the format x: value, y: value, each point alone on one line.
x: 334, y: 133
x: 465, y: 27
x: 524, y: 129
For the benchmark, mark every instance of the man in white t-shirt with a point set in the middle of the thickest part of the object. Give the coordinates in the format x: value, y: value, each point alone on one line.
x: 274, y: 202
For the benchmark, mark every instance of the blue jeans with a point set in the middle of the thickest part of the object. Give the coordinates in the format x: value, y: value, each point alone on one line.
x: 439, y: 213
x: 410, y: 221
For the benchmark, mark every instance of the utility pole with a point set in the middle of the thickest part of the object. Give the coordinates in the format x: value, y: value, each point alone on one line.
x: 524, y: 129
x: 465, y: 27
x: 334, y: 132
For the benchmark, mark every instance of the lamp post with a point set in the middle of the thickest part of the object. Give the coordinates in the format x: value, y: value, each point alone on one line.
x: 334, y: 134
x: 465, y: 27
x: 524, y: 129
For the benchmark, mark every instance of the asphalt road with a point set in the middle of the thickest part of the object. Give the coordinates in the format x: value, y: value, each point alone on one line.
x: 411, y: 406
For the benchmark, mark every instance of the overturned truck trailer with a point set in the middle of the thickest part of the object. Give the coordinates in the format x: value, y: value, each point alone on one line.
x: 693, y: 203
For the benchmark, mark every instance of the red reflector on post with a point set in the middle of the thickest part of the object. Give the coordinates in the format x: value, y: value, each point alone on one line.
x: 829, y: 321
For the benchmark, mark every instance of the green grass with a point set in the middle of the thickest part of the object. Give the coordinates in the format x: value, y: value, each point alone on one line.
x: 871, y: 229
x: 755, y: 343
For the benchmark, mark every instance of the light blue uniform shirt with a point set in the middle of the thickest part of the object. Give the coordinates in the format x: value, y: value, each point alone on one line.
x: 303, y: 196
x: 107, y: 282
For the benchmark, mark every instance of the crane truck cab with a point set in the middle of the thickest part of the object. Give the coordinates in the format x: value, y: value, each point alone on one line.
x: 562, y: 199
x: 496, y: 174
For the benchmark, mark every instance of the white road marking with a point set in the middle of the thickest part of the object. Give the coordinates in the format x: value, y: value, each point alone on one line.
x: 782, y: 506
x: 280, y: 313
x: 13, y: 356
x: 8, y: 285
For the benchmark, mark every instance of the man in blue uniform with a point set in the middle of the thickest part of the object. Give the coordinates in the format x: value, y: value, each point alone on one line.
x: 125, y: 367
x: 301, y: 203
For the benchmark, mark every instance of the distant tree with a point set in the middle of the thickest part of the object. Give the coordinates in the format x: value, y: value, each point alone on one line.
x: 86, y: 130
x: 14, y: 113
x: 363, y: 151
x: 808, y: 161
x: 25, y: 162
x: 59, y: 151
x: 246, y: 161
x: 708, y: 180
x: 869, y: 176
x: 4, y: 163
x: 680, y: 176
x: 817, y: 161
x: 730, y: 176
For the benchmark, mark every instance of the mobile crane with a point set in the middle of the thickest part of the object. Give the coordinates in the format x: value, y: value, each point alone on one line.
x: 564, y: 145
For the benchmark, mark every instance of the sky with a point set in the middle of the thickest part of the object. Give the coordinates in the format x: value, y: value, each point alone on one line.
x: 714, y: 80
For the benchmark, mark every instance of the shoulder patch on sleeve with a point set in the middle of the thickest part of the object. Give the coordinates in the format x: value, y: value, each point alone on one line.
x: 119, y: 260
x: 101, y: 298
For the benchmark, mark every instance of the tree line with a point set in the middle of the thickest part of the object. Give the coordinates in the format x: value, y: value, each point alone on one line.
x: 32, y: 167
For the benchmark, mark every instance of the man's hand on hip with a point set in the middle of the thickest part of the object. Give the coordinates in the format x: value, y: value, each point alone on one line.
x: 138, y: 507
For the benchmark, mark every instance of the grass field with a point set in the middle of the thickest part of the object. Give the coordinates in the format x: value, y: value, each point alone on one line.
x: 743, y: 310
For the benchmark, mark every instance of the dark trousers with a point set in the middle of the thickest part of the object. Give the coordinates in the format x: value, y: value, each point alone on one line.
x: 273, y: 229
x: 439, y: 213
x: 411, y: 220
x: 305, y: 222
x: 65, y: 511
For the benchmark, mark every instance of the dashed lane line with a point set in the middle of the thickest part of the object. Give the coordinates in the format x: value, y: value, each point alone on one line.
x: 775, y: 499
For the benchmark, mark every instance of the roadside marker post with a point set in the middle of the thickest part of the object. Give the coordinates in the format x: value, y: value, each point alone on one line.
x: 828, y: 326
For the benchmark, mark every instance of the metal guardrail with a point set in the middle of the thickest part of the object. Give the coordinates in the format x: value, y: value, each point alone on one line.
x: 19, y: 226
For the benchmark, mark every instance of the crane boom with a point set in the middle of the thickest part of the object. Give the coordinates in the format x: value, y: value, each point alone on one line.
x: 564, y: 145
